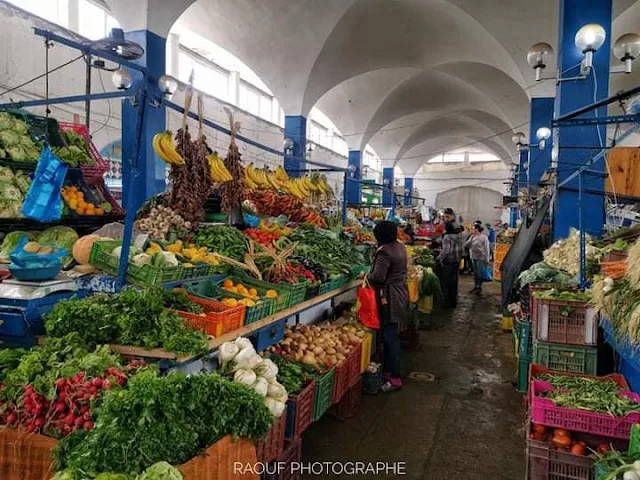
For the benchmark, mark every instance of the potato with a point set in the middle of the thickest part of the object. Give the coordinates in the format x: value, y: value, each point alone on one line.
x: 331, y: 351
x: 31, y: 247
x: 317, y: 350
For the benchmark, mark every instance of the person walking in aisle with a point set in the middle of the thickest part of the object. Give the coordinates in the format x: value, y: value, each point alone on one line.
x: 449, y: 264
x: 478, y: 245
x: 491, y: 235
x: 389, y: 278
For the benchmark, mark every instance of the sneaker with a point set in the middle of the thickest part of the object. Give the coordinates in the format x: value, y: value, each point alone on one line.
x: 478, y: 292
x: 474, y: 290
x: 392, y: 385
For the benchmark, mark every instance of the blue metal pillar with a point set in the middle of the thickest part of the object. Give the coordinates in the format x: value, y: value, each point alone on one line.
x: 150, y: 179
x: 387, y: 181
x: 408, y: 186
x: 539, y: 160
x: 572, y: 95
x: 295, y: 128
x: 354, y: 189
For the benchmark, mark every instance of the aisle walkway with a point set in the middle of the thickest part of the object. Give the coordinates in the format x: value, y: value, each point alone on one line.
x: 468, y: 423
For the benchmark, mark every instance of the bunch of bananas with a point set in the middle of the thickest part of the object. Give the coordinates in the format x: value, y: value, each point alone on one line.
x: 164, y: 148
x: 301, y: 188
x: 217, y: 170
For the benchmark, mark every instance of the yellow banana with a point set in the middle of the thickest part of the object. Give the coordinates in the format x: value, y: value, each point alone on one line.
x: 157, y: 148
x: 166, y: 143
x: 281, y: 174
x: 222, y: 170
x: 251, y: 173
x: 310, y: 185
x: 249, y: 183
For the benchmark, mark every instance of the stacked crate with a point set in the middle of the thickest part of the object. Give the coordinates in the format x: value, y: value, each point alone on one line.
x: 565, y: 334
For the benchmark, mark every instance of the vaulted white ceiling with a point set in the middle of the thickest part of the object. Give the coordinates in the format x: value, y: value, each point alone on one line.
x: 413, y: 78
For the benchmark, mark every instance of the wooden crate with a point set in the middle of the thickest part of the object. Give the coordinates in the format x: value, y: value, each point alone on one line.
x: 25, y: 456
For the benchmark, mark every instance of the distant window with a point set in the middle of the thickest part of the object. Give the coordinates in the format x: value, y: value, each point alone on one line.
x: 94, y: 21
x: 56, y: 11
x: 207, y: 76
x: 483, y: 157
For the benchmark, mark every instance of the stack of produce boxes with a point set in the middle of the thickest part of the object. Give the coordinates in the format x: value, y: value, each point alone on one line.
x: 573, y: 416
x: 565, y: 331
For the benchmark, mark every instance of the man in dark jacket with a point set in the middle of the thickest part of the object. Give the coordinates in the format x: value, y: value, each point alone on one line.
x: 449, y: 265
x: 389, y: 278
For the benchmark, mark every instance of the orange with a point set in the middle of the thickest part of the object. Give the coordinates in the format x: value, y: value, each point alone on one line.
x: 82, y: 204
x: 80, y: 195
x: 227, y: 283
x: 253, y: 292
x: 80, y: 210
x: 230, y: 302
x: 271, y: 294
x: 91, y: 211
x: 73, y: 204
x: 99, y: 211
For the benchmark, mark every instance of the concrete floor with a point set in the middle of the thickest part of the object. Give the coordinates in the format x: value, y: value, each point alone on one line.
x: 468, y: 423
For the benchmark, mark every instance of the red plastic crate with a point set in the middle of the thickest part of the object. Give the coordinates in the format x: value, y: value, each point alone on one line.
x: 341, y: 381
x: 347, y: 407
x: 300, y: 411
x: 354, y: 361
x: 545, y: 412
x: 101, y: 166
x: 287, y: 467
x: 537, y: 370
x: 202, y: 322
x: 232, y: 318
x: 564, y: 321
x: 271, y: 447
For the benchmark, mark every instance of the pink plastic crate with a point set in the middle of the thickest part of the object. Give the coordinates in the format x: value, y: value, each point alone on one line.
x: 101, y: 166
x: 545, y: 412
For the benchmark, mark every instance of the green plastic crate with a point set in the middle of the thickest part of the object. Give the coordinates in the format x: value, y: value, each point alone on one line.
x: 324, y: 394
x: 213, y: 291
x: 332, y: 285
x: 297, y: 293
x: 566, y: 358
x: 634, y: 442
x: 525, y: 339
x: 523, y: 374
x: 358, y: 269
x: 102, y: 259
x: 283, y: 300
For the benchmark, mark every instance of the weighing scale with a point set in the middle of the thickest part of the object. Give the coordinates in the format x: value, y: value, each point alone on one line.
x: 23, y: 305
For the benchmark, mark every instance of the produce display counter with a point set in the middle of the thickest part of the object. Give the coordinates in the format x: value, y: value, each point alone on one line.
x: 159, y: 354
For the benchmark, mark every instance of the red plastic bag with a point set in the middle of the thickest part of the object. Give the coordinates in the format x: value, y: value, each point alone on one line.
x: 367, y: 306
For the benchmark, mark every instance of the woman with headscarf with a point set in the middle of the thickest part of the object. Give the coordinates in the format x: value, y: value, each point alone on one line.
x: 449, y: 265
x: 388, y: 277
x: 478, y: 245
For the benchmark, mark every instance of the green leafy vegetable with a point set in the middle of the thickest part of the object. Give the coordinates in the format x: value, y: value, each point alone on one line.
x: 10, y: 242
x: 179, y: 300
x: 228, y: 241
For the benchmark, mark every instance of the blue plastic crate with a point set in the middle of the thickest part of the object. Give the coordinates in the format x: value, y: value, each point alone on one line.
x: 269, y: 335
x: 629, y: 356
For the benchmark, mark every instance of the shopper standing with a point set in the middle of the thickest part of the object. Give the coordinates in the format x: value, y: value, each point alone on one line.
x: 389, y: 278
x: 491, y: 235
x: 449, y: 264
x: 478, y: 245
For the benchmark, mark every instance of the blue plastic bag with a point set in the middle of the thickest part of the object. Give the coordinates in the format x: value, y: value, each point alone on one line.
x: 21, y: 259
x: 487, y: 273
x: 251, y: 220
x: 43, y: 201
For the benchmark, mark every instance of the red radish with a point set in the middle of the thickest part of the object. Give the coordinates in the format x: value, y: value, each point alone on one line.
x: 78, y: 421
x: 39, y: 422
x: 106, y: 384
x: 61, y: 383
x: 12, y: 418
x: 86, y: 416
x: 84, y: 409
x: 97, y: 382
x: 88, y: 425
x: 60, y: 407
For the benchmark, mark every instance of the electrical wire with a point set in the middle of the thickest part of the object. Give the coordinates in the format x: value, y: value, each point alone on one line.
x: 38, y: 77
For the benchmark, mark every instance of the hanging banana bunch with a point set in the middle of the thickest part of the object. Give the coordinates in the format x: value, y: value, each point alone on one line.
x: 164, y: 148
x: 217, y: 170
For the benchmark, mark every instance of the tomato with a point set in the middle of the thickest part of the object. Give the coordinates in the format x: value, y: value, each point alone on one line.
x: 560, y: 432
x: 577, y: 449
x: 537, y: 436
x: 561, y: 441
x: 537, y: 428
x: 604, y: 448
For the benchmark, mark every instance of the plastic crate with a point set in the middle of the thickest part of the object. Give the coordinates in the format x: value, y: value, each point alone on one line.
x: 332, y: 285
x: 565, y: 321
x: 523, y: 374
x: 269, y: 335
x: 300, y: 411
x: 566, y: 358
x: 525, y: 339
x: 354, y: 362
x: 231, y: 318
x: 203, y: 323
x: 358, y: 269
x: 323, y: 393
x: 548, y: 464
x: 297, y: 293
x: 213, y: 291
x: 347, y: 407
x: 634, y: 441
x: 537, y: 370
x: 312, y: 292
x: 271, y: 446
x: 197, y: 271
x: 538, y: 287
x: 288, y: 466
x: 341, y: 381
x: 281, y: 302
x: 545, y: 412
x: 100, y: 168
x: 365, y: 357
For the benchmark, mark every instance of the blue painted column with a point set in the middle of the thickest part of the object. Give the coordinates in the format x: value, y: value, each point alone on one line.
x: 572, y: 95
x: 408, y: 185
x: 387, y: 181
x: 354, y: 189
x: 539, y: 160
x: 151, y: 170
x: 295, y: 128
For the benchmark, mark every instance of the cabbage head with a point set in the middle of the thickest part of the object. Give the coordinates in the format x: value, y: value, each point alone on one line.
x: 9, y: 244
x: 62, y: 237
x: 161, y: 471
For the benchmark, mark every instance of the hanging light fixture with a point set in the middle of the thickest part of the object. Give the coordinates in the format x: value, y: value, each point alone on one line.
x: 543, y: 134
x: 121, y: 79
x: 287, y: 146
x: 588, y: 40
x: 626, y: 49
x: 167, y: 85
x: 538, y: 57
x: 518, y: 139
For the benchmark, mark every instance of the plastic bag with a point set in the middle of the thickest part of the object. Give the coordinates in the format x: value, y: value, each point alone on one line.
x: 367, y: 307
x: 43, y: 202
x: 22, y: 259
x: 487, y: 273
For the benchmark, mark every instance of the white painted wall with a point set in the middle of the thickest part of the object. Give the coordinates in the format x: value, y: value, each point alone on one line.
x: 22, y: 57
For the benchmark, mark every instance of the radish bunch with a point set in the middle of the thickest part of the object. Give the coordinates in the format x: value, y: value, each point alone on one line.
x: 69, y: 409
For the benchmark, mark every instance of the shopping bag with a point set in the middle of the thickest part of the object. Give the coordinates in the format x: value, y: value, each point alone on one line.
x: 487, y: 273
x: 367, y: 307
x: 414, y: 292
x: 43, y: 201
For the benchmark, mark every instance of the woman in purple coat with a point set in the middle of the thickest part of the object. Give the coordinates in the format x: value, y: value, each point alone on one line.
x: 389, y: 278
